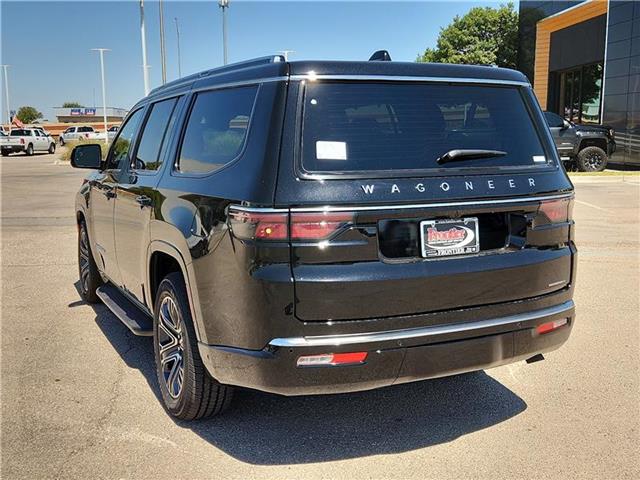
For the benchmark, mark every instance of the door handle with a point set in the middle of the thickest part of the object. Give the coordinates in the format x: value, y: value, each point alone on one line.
x: 143, y: 201
x: 110, y: 193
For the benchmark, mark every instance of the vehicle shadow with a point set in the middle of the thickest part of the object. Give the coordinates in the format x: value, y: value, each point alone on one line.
x: 266, y: 429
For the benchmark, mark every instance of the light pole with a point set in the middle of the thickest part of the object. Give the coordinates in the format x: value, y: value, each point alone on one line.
x: 104, y: 91
x: 179, y: 61
x: 285, y: 54
x: 145, y: 67
x: 162, y: 51
x: 224, y: 4
x: 6, y: 93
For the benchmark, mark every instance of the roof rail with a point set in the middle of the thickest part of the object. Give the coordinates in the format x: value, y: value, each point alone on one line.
x: 254, y: 62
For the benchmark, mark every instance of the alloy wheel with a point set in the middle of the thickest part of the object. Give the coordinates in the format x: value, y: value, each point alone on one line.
x: 84, y: 259
x: 593, y: 161
x: 171, y: 346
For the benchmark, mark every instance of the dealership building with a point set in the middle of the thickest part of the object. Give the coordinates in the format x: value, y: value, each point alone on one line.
x: 88, y: 114
x: 583, y: 60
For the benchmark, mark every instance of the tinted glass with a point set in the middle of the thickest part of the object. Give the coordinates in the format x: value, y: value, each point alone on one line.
x: 375, y: 126
x: 148, y: 154
x: 216, y: 129
x: 554, y: 120
x: 21, y: 133
x: 119, y: 154
x: 85, y: 129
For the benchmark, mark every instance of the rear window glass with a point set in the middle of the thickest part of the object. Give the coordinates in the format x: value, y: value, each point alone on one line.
x: 384, y: 126
x: 21, y: 133
x: 216, y: 129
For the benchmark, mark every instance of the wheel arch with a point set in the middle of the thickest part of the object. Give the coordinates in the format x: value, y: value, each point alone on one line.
x: 593, y: 142
x: 162, y: 259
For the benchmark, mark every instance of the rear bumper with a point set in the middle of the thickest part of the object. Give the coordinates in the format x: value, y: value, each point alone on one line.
x: 395, y: 356
x: 12, y: 148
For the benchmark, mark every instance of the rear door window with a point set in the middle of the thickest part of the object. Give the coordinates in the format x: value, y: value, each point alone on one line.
x: 216, y: 129
x: 364, y: 127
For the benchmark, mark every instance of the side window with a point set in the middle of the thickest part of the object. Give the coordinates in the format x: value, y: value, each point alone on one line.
x: 554, y: 120
x: 155, y: 129
x: 216, y: 129
x: 69, y: 130
x: 119, y: 154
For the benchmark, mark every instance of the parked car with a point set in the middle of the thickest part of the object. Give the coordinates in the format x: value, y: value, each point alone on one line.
x: 323, y: 227
x: 112, y: 132
x: 586, y: 148
x: 79, y: 134
x: 27, y: 140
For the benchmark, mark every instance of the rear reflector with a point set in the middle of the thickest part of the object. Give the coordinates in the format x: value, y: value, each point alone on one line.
x: 551, y: 326
x: 259, y: 226
x: 332, y: 359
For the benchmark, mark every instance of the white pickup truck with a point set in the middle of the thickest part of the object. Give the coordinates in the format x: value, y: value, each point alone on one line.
x: 80, y: 134
x: 27, y: 140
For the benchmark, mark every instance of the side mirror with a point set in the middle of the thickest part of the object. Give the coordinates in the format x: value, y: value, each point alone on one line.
x: 565, y: 124
x: 87, y: 156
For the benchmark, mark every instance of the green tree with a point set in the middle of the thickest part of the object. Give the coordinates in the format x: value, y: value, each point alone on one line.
x: 72, y: 105
x: 483, y: 36
x: 28, y: 114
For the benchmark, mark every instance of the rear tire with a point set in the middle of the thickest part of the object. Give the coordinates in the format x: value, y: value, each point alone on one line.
x: 29, y: 151
x: 52, y: 148
x: 592, y: 159
x: 88, y: 273
x: 5, y: 153
x: 188, y: 391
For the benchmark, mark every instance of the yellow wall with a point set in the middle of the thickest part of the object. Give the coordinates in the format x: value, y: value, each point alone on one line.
x: 544, y: 29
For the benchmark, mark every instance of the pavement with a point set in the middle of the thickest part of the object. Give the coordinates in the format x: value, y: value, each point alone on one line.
x: 80, y: 399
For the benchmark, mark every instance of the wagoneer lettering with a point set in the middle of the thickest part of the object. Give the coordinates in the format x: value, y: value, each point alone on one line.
x: 373, y: 223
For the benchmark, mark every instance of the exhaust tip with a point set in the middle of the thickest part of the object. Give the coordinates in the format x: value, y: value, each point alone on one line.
x: 536, y: 358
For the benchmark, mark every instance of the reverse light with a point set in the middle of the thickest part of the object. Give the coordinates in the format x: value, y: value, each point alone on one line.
x: 332, y: 359
x: 557, y: 211
x: 551, y: 326
x: 318, y: 225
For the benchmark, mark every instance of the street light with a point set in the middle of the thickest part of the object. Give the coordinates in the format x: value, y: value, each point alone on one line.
x: 224, y: 4
x: 285, y: 54
x: 145, y: 67
x: 162, y: 51
x: 6, y: 93
x: 179, y: 61
x: 104, y: 91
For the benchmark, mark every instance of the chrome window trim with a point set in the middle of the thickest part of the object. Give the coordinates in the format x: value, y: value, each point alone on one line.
x: 329, y: 208
x: 398, y: 78
x: 411, y: 333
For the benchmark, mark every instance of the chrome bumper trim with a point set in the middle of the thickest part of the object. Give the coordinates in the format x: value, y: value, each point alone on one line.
x: 391, y: 335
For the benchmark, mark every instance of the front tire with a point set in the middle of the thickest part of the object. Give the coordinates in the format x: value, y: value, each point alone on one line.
x: 52, y: 148
x: 90, y: 278
x: 592, y: 159
x: 188, y: 391
x: 5, y: 153
x: 61, y: 141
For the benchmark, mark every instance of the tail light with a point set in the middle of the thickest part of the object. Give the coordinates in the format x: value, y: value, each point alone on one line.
x: 557, y: 211
x: 22, y: 141
x: 318, y: 226
x: 259, y: 225
x: 86, y: 135
x: 278, y: 226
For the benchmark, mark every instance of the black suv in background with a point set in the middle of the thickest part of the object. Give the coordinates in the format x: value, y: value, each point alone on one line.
x: 586, y: 148
x: 318, y: 227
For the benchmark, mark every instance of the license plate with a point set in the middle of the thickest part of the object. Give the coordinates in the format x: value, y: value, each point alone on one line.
x: 441, y: 238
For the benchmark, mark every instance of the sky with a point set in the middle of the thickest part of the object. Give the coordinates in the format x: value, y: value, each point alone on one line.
x: 47, y: 43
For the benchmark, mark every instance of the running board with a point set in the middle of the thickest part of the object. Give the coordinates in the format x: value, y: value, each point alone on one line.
x: 127, y: 312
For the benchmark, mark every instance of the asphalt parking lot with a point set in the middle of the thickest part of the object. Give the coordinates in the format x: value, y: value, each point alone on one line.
x: 79, y: 396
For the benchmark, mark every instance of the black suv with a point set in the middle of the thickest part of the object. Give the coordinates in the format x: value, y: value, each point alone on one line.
x: 321, y: 227
x: 586, y: 148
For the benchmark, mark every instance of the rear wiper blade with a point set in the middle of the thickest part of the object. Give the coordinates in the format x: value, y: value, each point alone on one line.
x: 469, y: 154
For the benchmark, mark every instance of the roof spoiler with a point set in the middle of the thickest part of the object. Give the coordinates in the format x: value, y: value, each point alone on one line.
x: 380, y: 56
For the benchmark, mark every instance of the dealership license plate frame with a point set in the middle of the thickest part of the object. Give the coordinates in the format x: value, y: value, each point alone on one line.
x: 433, y: 251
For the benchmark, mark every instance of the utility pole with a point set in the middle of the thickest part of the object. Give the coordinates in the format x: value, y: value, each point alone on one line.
x: 179, y: 61
x: 162, y: 51
x: 145, y: 67
x: 224, y: 5
x: 104, y: 91
x: 6, y: 93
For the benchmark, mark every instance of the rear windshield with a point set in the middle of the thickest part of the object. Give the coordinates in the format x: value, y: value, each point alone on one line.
x: 357, y: 127
x: 20, y: 133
